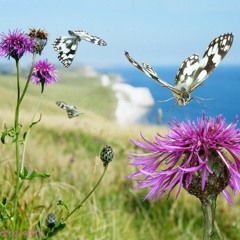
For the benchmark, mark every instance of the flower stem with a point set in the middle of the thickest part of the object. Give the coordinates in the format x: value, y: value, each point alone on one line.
x: 16, y: 126
x: 20, y: 100
x: 28, y: 78
x: 28, y: 132
x: 85, y: 199
x: 209, y: 209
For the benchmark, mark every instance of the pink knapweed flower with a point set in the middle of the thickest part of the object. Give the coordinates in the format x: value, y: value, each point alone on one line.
x: 44, y: 73
x: 15, y: 44
x: 200, y: 157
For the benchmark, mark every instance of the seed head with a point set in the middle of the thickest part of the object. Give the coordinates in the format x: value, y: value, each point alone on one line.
x: 40, y: 37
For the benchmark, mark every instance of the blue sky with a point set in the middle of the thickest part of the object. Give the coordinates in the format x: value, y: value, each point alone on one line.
x: 155, y: 32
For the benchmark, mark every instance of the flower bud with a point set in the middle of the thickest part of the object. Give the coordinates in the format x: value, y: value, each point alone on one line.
x: 51, y: 220
x: 106, y: 155
x: 215, y: 182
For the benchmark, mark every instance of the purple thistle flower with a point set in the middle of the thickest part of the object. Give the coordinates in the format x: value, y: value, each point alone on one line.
x: 202, y: 157
x: 44, y: 73
x: 15, y: 44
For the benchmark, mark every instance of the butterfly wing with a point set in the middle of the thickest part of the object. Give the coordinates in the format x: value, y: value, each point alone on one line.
x: 72, y: 112
x: 212, y: 57
x: 70, y: 109
x: 83, y: 35
x: 185, y: 75
x: 62, y: 104
x: 66, y: 48
x: 150, y: 72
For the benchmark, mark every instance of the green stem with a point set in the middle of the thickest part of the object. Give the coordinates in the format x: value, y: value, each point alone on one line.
x: 28, y: 132
x: 85, y: 199
x: 20, y: 100
x: 209, y: 210
x: 16, y: 126
x: 28, y: 79
x: 5, y: 210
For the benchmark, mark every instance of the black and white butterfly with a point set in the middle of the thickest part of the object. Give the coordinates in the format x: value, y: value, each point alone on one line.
x: 193, y: 72
x: 67, y: 46
x: 71, y: 110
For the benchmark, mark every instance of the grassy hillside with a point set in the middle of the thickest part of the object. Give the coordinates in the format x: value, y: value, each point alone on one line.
x: 68, y: 150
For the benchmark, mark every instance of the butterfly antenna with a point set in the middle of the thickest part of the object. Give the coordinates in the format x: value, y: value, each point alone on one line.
x: 199, y: 102
x: 167, y: 100
x: 204, y: 99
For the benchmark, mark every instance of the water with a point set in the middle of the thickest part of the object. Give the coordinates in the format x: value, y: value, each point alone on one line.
x: 223, y: 86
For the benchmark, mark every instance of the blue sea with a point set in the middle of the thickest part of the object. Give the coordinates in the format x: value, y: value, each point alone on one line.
x: 222, y: 86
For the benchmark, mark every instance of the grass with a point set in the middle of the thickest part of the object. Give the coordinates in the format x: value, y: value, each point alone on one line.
x: 68, y: 150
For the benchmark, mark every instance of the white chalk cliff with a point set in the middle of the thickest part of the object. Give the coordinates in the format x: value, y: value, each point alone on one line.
x: 133, y: 102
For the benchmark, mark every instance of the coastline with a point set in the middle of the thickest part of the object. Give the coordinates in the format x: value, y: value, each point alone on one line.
x: 133, y: 102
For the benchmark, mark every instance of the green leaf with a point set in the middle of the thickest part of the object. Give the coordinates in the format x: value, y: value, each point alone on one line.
x: 61, y: 203
x: 38, y: 174
x: 31, y: 125
x: 40, y: 220
x: 39, y: 223
x: 11, y: 133
x: 25, y: 172
x: 33, y: 174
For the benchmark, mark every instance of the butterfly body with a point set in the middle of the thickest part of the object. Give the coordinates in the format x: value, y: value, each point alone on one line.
x: 71, y: 110
x: 192, y: 72
x: 67, y: 46
x: 183, y: 98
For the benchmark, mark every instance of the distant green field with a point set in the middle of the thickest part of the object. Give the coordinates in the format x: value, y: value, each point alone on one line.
x: 86, y: 93
x: 68, y: 150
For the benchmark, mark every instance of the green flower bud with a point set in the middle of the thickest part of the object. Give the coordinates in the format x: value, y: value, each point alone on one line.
x: 51, y: 220
x: 106, y: 155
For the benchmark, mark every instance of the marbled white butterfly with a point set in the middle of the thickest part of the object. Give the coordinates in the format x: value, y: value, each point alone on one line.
x: 67, y: 46
x: 71, y: 110
x: 193, y: 72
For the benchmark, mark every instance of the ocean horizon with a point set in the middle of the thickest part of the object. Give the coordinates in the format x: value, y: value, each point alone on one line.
x: 222, y: 87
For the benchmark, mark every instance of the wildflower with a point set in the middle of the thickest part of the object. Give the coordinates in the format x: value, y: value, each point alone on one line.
x: 15, y: 44
x: 40, y: 38
x: 44, y: 73
x: 202, y: 157
x: 106, y: 155
x: 51, y: 220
